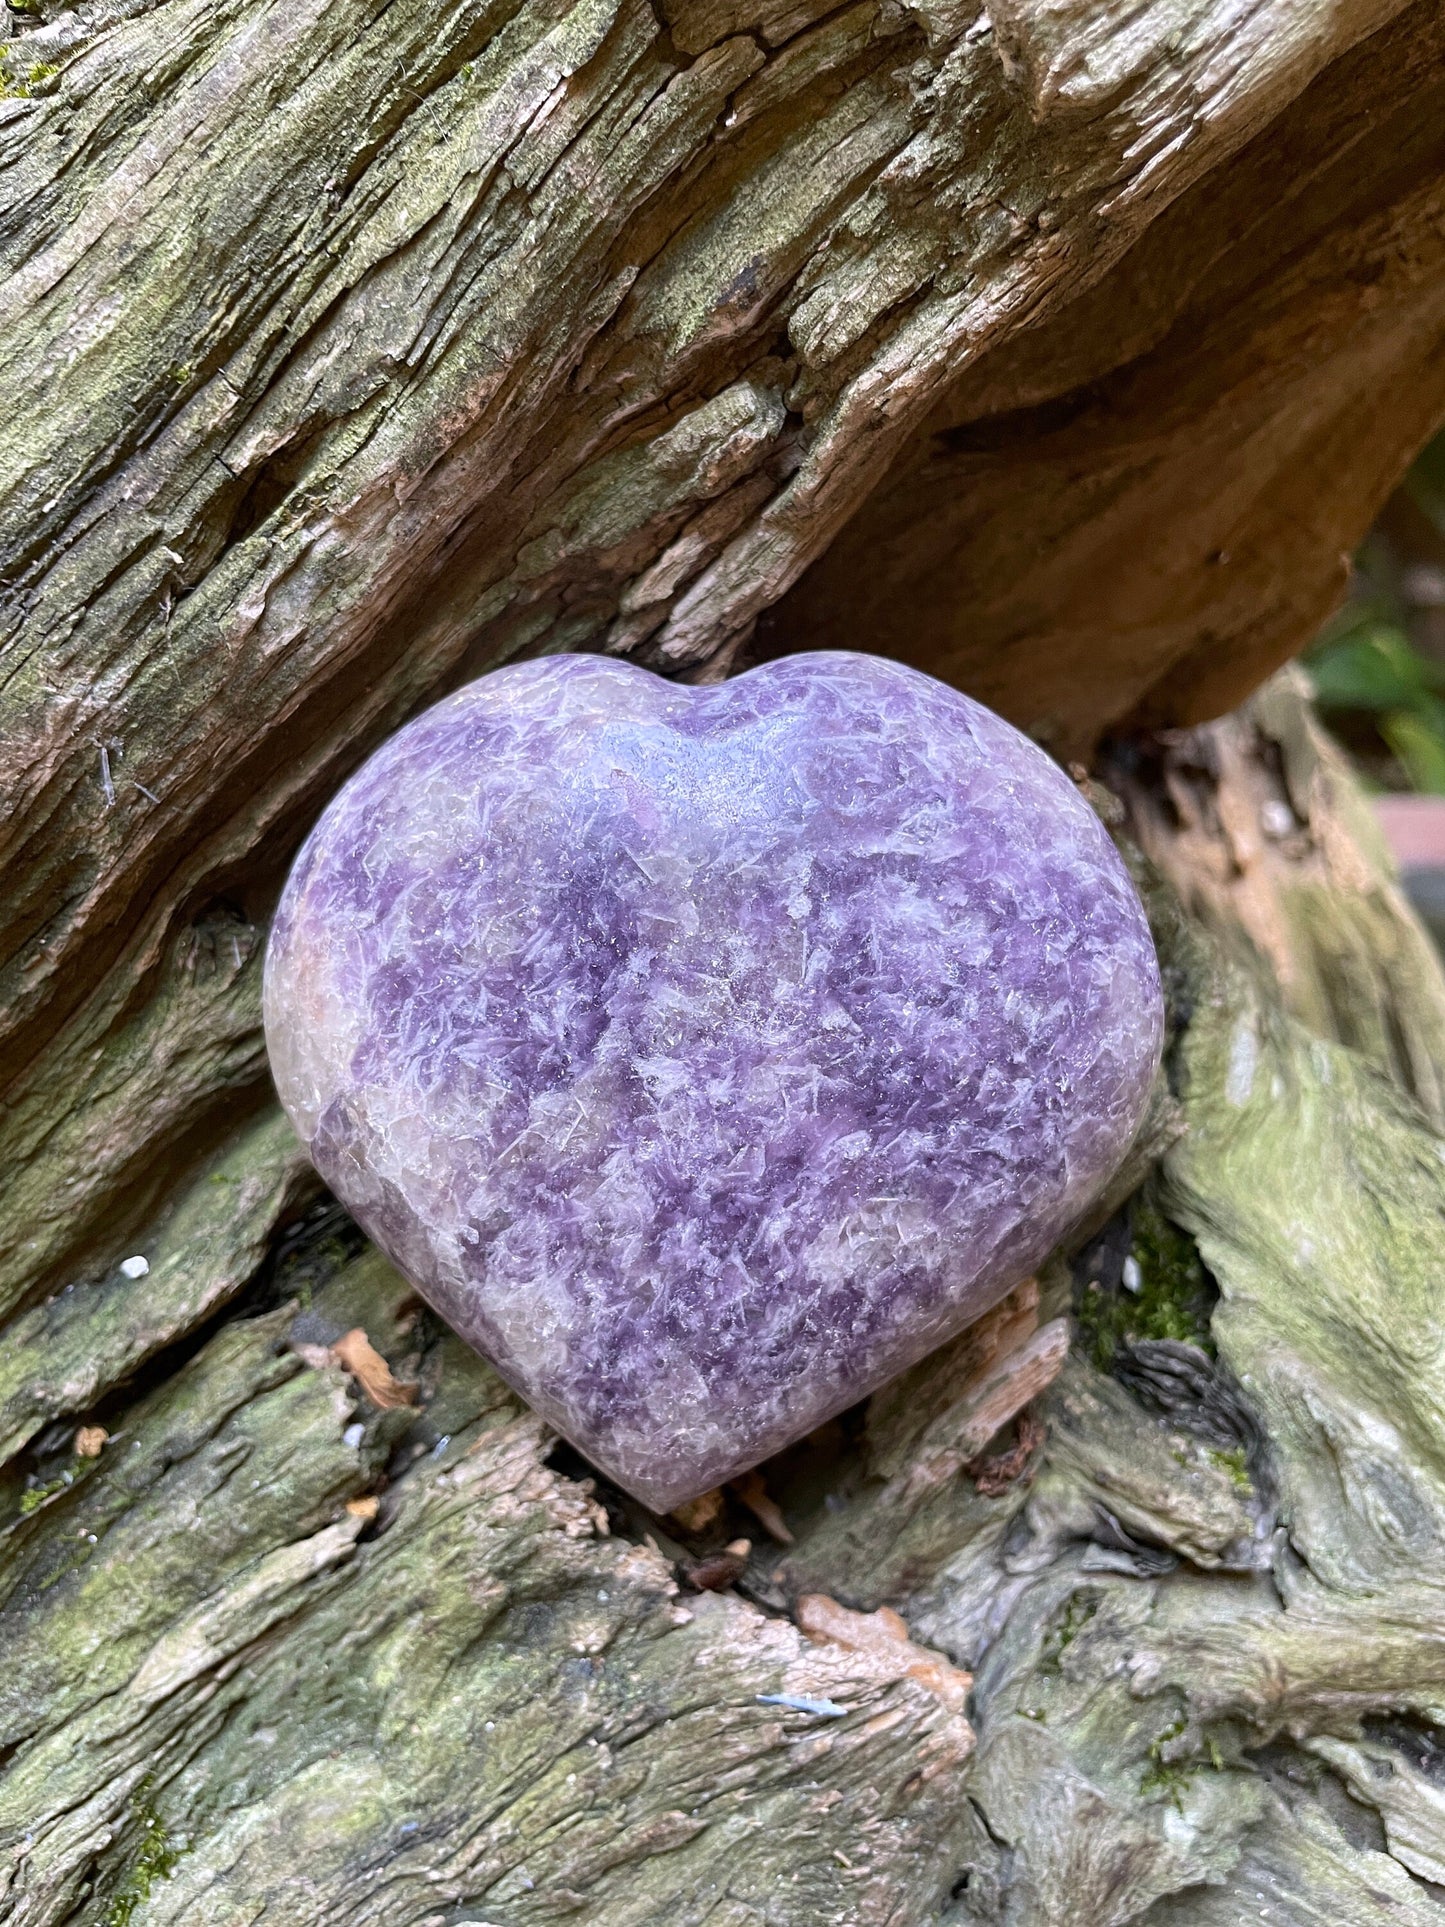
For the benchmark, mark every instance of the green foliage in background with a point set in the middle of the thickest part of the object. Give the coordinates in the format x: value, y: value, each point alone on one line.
x: 1365, y: 664
x: 1371, y: 678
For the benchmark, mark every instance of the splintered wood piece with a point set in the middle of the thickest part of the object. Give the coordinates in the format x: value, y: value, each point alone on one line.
x: 355, y: 1353
x: 702, y: 1513
x: 752, y: 1489
x: 900, y: 1415
x: 960, y: 1433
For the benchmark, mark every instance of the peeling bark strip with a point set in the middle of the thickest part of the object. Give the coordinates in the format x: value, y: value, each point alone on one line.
x: 352, y: 349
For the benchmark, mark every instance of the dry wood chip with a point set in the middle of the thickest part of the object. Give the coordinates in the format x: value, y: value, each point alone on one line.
x: 89, y: 1440
x: 355, y: 1353
x: 698, y: 1515
x: 753, y: 1492
x: 719, y: 1570
x: 884, y: 1635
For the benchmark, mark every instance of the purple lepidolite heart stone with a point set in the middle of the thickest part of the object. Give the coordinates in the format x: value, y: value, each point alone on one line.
x: 708, y: 1055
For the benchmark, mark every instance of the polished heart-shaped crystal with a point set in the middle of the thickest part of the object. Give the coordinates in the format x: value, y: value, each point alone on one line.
x: 708, y: 1055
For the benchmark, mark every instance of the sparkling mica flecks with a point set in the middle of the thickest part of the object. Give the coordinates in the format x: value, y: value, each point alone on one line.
x: 708, y: 1055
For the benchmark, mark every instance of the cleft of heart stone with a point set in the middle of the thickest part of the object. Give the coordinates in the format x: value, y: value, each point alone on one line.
x: 706, y: 1056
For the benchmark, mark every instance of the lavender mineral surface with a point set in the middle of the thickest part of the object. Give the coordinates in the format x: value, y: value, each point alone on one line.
x: 708, y: 1055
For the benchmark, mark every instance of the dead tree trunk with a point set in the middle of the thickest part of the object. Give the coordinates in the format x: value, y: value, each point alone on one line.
x: 1060, y: 346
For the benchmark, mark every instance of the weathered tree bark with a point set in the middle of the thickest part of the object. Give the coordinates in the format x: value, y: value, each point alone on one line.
x: 1062, y: 347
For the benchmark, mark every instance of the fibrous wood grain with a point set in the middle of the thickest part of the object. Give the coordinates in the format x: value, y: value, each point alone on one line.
x: 1152, y: 494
